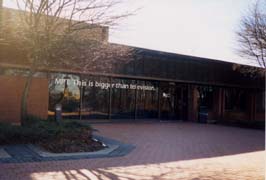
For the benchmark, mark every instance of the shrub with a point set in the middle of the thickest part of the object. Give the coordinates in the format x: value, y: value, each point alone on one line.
x: 41, y: 131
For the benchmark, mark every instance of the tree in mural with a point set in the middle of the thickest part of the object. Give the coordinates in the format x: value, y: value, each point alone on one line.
x: 54, y: 33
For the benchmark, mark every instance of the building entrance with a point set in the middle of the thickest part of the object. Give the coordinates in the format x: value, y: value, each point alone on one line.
x: 173, y: 101
x: 205, y: 103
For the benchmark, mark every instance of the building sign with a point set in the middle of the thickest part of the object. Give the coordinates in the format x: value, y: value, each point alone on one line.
x: 103, y: 85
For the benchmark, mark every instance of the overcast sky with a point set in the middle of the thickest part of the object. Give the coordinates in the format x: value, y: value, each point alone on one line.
x: 203, y: 28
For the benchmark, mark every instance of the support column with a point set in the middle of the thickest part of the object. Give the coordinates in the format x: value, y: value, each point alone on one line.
x: 110, y: 101
x: 222, y: 107
x: 136, y: 103
x: 218, y: 104
x: 159, y: 101
x: 80, y: 102
x: 251, y: 106
x: 1, y: 15
x: 81, y: 90
x: 193, y: 103
x: 255, y: 106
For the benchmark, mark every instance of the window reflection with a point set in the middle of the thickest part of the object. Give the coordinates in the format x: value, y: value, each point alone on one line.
x: 64, y: 90
x: 147, y: 100
x: 168, y: 101
x: 260, y: 102
x: 92, y: 97
x: 205, y: 98
x: 235, y: 99
x: 123, y: 99
x: 95, y: 99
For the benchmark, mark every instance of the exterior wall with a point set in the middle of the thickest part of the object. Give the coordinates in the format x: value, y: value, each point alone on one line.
x: 10, y: 99
x: 39, y: 98
x: 12, y: 21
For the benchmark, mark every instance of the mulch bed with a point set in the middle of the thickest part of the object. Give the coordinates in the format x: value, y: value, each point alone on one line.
x: 71, y: 143
x: 72, y: 146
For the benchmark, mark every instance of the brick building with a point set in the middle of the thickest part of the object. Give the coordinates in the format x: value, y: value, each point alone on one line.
x: 147, y: 85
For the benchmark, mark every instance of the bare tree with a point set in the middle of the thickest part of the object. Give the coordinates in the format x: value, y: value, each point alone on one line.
x: 49, y: 29
x: 252, y: 34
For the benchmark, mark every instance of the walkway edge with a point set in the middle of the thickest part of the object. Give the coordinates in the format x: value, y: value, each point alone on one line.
x: 44, y: 153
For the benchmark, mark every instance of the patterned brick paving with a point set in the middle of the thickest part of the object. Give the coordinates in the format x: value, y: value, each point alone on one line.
x: 163, y: 151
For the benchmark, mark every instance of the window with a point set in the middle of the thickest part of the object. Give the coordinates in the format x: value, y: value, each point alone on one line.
x: 205, y: 97
x: 64, y: 90
x: 147, y: 100
x: 235, y: 100
x: 95, y: 98
x: 260, y: 101
x: 123, y: 99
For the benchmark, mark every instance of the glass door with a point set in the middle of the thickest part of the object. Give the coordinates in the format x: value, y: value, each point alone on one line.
x: 168, y: 101
x: 173, y: 101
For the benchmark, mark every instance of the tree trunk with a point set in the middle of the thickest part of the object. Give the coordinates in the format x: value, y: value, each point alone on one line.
x: 24, y: 98
x: 1, y: 17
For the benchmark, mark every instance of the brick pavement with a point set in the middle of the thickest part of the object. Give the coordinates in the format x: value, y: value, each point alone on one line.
x: 163, y: 151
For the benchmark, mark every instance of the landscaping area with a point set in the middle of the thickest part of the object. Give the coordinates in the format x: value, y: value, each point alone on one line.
x: 64, y: 137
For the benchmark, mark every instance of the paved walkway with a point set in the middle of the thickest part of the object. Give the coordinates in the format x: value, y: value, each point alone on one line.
x: 163, y: 151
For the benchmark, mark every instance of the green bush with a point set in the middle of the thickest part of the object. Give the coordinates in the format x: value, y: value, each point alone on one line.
x: 38, y: 130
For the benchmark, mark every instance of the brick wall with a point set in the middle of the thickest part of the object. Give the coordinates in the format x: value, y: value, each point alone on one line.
x: 11, y: 88
x: 11, y: 20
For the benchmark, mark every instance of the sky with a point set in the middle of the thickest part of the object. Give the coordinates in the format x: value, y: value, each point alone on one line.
x: 203, y: 28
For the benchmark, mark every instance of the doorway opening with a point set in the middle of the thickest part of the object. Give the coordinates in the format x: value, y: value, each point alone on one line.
x: 173, y: 101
